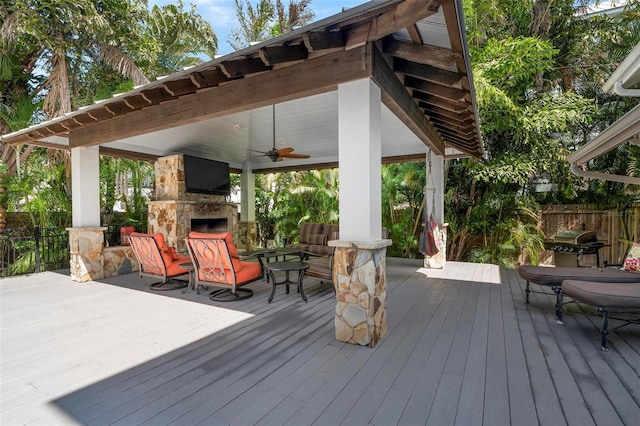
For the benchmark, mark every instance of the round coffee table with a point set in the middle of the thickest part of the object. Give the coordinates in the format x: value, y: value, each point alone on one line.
x: 287, y: 267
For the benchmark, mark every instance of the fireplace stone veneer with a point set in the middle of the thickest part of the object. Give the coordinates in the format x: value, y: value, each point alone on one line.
x: 174, y: 209
x: 173, y: 218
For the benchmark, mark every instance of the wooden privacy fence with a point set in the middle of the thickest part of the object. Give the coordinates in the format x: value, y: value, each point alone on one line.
x: 616, y: 228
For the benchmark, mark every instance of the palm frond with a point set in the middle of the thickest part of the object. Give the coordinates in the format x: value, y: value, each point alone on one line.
x: 122, y: 63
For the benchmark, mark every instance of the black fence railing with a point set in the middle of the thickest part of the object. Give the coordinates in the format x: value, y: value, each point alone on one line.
x: 28, y: 250
x: 113, y: 235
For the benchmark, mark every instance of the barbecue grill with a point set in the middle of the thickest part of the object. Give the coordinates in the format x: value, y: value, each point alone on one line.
x: 569, y: 247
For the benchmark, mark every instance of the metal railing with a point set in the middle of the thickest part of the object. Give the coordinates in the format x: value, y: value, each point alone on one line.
x: 25, y: 250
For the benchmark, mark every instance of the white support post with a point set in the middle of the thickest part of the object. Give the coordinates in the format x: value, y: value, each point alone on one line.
x: 86, y: 236
x: 359, y: 263
x: 247, y: 228
x: 437, y: 176
x: 359, y: 153
x: 247, y: 194
x: 85, y: 187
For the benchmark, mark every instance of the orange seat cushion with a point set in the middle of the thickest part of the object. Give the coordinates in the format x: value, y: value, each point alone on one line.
x: 174, y: 269
x: 249, y: 272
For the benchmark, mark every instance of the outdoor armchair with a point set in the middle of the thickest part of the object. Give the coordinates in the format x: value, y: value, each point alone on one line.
x: 157, y: 260
x: 217, y: 263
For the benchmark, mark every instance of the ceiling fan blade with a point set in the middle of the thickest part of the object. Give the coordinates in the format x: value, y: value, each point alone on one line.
x: 284, y: 151
x: 295, y: 155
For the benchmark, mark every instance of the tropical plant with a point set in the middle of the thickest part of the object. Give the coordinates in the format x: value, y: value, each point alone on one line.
x: 63, y: 38
x: 180, y: 37
x: 254, y: 23
x: 403, y: 206
x: 296, y: 15
x: 267, y: 20
x: 536, y: 87
x: 285, y: 200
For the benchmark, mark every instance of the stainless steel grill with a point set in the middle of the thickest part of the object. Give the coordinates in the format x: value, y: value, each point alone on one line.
x: 569, y: 247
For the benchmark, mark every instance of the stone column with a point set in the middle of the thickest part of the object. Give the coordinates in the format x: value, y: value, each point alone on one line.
x: 360, y: 278
x: 85, y: 247
x: 247, y: 235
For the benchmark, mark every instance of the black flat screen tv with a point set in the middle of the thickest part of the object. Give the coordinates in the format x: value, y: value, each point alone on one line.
x: 205, y: 176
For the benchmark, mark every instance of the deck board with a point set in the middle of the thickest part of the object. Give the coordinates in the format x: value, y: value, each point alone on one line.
x: 462, y: 347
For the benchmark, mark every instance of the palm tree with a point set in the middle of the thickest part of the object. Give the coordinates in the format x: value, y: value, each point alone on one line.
x: 181, y: 37
x: 297, y: 15
x: 57, y: 36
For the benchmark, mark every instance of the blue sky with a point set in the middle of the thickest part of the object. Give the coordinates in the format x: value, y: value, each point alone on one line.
x: 221, y: 15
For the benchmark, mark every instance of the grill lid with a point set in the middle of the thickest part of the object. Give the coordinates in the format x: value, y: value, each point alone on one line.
x: 574, y: 236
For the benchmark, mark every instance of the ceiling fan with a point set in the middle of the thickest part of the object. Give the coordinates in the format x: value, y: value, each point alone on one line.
x: 278, y: 154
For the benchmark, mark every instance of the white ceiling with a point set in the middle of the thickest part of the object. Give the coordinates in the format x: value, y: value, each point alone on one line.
x: 308, y: 125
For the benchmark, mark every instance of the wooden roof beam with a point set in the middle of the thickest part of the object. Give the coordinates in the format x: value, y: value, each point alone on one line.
x: 119, y: 153
x: 299, y: 80
x: 466, y: 124
x: 428, y: 72
x: 397, y: 17
x: 398, y: 100
x: 323, y: 40
x: 453, y: 106
x: 449, y: 93
x: 429, y: 55
x: 242, y: 67
x: 283, y: 54
x: 433, y: 110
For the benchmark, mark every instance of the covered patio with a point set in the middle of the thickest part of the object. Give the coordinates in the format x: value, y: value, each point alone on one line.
x: 462, y: 348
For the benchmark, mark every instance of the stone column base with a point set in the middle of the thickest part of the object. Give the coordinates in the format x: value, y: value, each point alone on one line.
x: 359, y: 276
x: 85, y: 247
x: 247, y: 235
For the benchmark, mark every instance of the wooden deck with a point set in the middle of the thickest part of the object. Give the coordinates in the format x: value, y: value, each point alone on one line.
x: 462, y: 348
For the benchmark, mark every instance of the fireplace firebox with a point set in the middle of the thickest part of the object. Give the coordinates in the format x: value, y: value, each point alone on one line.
x: 209, y: 225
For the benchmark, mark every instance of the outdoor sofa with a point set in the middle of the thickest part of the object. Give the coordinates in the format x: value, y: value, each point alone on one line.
x: 313, y: 241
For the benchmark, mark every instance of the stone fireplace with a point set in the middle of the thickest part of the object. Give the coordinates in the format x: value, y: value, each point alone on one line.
x: 176, y: 212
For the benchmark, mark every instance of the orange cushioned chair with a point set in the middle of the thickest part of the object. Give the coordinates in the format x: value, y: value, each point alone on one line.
x: 156, y: 259
x: 217, y: 263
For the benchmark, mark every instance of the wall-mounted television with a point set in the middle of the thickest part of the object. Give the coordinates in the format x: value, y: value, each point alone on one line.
x: 204, y: 176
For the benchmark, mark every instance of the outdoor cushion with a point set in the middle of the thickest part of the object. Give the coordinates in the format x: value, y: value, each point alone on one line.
x: 604, y: 294
x: 332, y: 232
x: 228, y: 238
x: 167, y: 258
x: 554, y: 276
x: 308, y: 228
x: 233, y: 251
x: 317, y: 239
x: 607, y: 298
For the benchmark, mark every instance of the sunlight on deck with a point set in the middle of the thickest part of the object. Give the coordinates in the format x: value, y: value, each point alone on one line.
x: 89, y: 332
x: 490, y: 273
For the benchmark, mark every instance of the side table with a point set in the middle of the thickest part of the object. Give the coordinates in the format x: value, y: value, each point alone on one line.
x: 192, y: 282
x: 287, y: 267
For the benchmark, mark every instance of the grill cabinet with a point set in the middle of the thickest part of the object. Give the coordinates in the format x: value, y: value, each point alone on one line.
x: 569, y: 247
